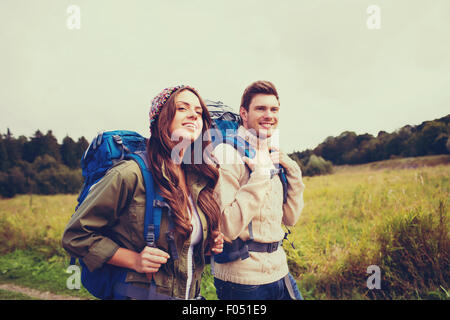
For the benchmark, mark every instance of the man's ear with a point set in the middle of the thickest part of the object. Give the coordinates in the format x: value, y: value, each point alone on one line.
x: 243, y: 113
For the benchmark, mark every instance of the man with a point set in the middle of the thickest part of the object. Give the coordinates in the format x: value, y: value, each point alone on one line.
x: 251, y: 198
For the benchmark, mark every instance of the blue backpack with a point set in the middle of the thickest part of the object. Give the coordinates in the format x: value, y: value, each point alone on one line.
x: 108, y: 148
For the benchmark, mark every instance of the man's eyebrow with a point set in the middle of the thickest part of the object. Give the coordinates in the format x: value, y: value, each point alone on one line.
x: 264, y: 106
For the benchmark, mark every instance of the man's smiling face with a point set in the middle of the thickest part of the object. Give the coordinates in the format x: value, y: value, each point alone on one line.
x: 262, y: 115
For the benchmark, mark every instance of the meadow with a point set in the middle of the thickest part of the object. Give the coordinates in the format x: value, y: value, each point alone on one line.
x: 392, y: 214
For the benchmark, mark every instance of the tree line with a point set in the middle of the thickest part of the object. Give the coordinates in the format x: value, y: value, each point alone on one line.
x: 40, y: 164
x: 428, y: 138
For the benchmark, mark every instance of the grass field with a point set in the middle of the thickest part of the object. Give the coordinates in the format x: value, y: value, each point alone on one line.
x: 392, y: 214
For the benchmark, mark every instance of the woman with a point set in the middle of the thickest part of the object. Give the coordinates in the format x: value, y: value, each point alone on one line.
x: 108, y: 225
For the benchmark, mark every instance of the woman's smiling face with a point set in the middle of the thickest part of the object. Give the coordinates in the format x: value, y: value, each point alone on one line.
x: 187, y: 122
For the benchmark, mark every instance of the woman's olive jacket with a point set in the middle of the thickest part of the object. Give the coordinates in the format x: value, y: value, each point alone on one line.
x: 112, y: 216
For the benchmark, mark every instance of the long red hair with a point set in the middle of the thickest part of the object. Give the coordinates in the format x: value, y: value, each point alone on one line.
x: 159, y: 147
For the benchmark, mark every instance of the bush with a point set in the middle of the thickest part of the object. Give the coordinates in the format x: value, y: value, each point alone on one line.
x: 45, y: 162
x: 4, y: 188
x: 60, y: 180
x: 44, y: 176
x: 12, y: 182
x: 317, y: 166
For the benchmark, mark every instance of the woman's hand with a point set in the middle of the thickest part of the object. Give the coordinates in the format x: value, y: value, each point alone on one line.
x: 149, y: 260
x: 218, y: 242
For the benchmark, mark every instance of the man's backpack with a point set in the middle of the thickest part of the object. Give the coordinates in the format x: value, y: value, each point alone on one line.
x: 227, y: 122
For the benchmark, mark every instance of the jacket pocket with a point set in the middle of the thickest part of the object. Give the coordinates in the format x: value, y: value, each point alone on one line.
x: 164, y: 282
x: 135, y: 225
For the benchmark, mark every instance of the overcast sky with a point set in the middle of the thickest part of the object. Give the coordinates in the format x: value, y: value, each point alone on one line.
x: 332, y: 72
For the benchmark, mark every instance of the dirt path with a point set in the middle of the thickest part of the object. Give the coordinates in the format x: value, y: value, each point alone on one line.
x: 35, y: 293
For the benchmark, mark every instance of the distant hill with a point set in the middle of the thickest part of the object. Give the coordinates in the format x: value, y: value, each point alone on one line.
x: 399, y: 163
x: 428, y: 138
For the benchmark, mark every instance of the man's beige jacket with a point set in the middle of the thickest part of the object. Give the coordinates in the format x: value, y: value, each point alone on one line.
x: 254, y: 196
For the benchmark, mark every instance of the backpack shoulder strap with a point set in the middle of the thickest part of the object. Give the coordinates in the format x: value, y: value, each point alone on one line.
x: 154, y: 204
x: 152, y: 221
x: 240, y: 144
x: 284, y: 182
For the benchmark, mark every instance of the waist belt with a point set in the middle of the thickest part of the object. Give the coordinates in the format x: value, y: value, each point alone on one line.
x: 264, y: 247
x: 240, y: 249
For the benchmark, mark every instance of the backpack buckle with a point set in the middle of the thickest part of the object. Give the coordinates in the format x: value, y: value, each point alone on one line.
x: 151, y: 235
x: 161, y: 204
x: 117, y: 139
x: 271, y: 247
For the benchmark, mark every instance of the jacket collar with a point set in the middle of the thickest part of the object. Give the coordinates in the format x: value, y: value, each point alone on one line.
x: 252, y: 139
x: 194, y: 182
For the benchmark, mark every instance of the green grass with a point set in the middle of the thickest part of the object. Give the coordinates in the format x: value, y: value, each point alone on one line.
x: 35, y: 222
x: 208, y: 290
x: 9, y: 295
x: 355, y: 217
x: 31, y: 255
x: 35, y: 270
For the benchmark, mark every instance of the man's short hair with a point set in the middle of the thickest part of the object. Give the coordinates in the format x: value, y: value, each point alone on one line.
x: 257, y: 87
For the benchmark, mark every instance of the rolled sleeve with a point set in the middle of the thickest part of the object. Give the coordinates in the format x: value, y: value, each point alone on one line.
x: 99, y: 253
x: 85, y: 236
